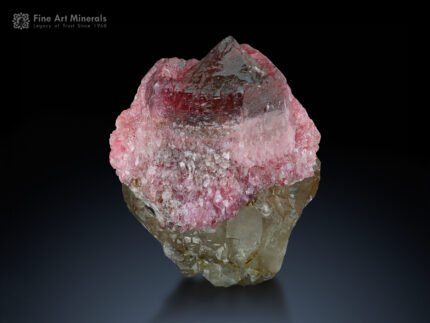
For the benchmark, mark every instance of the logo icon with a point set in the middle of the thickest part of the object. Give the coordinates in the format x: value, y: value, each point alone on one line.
x: 21, y: 20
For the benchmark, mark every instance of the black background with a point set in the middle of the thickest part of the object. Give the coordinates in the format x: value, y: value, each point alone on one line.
x: 73, y: 253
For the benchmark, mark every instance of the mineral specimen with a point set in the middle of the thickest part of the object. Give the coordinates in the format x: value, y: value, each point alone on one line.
x: 218, y: 159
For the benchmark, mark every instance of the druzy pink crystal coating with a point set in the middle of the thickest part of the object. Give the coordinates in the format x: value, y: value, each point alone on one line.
x: 201, y: 138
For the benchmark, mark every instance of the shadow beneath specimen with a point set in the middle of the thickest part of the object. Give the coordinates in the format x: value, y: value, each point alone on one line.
x: 196, y: 300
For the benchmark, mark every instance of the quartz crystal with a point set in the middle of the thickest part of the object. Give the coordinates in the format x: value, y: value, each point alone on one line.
x: 217, y: 160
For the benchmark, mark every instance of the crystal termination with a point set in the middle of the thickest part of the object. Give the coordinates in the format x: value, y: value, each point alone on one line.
x: 217, y: 159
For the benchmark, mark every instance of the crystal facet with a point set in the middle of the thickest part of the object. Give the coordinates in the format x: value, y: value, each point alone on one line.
x: 217, y: 160
x: 247, y: 249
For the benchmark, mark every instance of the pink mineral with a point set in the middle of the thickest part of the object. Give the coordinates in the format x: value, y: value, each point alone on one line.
x: 202, y: 138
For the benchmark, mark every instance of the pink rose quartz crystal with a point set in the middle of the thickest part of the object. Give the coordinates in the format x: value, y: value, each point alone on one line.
x: 218, y: 159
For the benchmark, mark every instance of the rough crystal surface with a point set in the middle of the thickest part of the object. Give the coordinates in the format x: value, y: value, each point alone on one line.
x: 246, y: 249
x: 204, y: 139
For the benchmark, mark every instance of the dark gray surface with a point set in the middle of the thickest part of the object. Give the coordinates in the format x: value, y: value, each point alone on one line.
x: 71, y: 252
x: 82, y: 257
